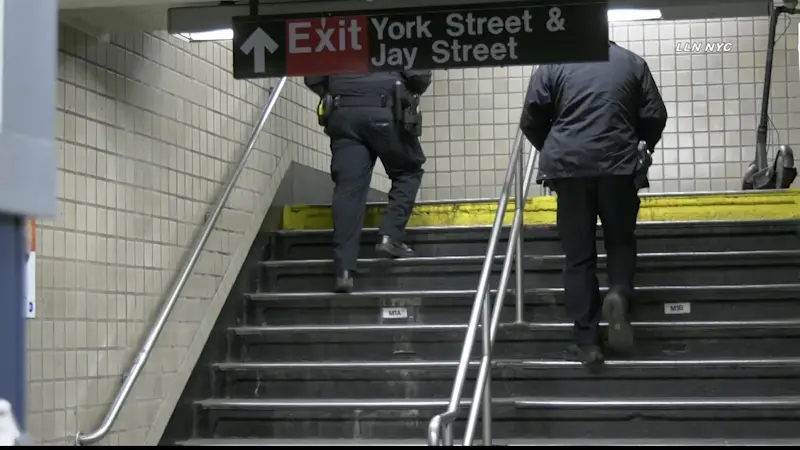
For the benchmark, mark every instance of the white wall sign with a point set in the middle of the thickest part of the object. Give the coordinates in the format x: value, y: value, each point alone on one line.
x: 677, y: 308
x: 394, y: 313
x: 30, y: 269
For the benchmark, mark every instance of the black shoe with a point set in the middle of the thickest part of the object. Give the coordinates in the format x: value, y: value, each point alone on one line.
x: 615, y: 312
x: 344, y: 282
x: 588, y: 355
x: 391, y: 248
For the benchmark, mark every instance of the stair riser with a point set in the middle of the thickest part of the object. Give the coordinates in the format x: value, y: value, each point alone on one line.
x: 537, y: 263
x: 531, y: 442
x: 437, y: 348
x: 507, y: 423
x: 318, y: 387
x: 437, y: 311
x: 678, y: 238
x: 779, y: 272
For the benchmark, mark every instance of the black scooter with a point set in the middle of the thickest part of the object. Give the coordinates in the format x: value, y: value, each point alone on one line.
x: 761, y: 175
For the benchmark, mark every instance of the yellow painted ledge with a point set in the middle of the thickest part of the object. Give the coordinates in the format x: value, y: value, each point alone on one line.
x: 541, y: 210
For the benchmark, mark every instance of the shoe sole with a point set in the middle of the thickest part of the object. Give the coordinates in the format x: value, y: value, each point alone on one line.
x: 595, y: 364
x: 620, y: 332
x: 389, y: 251
x: 345, y: 287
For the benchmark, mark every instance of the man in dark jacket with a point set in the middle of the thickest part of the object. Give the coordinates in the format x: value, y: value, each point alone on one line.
x: 587, y: 120
x: 363, y: 126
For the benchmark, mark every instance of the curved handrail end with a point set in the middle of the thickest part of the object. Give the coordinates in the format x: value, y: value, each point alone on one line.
x: 82, y: 439
x: 434, y: 430
x: 435, y: 426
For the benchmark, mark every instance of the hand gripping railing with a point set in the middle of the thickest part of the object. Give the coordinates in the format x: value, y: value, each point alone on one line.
x: 440, y: 427
x: 180, y: 281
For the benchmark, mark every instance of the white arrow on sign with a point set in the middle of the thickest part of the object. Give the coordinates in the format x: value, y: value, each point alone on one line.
x: 256, y: 44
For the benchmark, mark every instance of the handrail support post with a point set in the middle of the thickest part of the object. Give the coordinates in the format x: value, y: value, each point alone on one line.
x: 486, y: 420
x: 519, y: 204
x: 447, y: 436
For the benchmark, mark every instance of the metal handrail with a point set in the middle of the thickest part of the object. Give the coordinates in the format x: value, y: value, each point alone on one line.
x: 177, y: 288
x: 440, y: 426
x: 482, y: 394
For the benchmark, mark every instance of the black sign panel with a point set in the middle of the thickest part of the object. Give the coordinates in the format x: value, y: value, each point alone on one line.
x: 518, y: 36
x: 432, y: 39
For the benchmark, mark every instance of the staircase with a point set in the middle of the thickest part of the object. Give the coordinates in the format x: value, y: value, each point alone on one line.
x: 717, y: 358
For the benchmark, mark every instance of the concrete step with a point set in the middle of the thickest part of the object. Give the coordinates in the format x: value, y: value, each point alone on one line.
x: 542, y: 368
x: 670, y: 404
x: 643, y: 293
x: 509, y: 442
x: 454, y: 272
x: 510, y: 378
x: 654, y: 237
x: 651, y: 303
x: 535, y: 262
x: 691, y: 339
x: 600, y: 416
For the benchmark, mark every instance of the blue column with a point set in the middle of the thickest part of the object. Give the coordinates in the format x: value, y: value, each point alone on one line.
x: 28, y: 79
x: 12, y: 314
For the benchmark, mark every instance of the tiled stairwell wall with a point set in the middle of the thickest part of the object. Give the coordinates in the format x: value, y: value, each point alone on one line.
x: 149, y: 128
x: 713, y: 99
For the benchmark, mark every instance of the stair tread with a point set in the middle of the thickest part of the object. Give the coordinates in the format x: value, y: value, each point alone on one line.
x: 425, y: 260
x: 511, y: 442
x: 723, y: 324
x: 521, y: 363
x: 712, y: 289
x: 539, y: 402
x: 704, y: 225
x: 330, y: 402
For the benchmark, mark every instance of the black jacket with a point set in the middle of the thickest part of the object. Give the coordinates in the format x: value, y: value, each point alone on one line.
x: 586, y: 119
x: 374, y: 84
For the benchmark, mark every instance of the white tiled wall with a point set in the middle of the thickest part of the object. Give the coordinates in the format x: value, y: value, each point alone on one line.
x: 148, y: 129
x: 713, y: 99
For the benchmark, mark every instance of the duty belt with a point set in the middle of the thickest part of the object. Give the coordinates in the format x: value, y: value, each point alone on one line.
x: 342, y: 101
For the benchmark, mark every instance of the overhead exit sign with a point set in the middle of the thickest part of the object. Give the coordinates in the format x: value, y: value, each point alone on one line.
x: 457, y: 37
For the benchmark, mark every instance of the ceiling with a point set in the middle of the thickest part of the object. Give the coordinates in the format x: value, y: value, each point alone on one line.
x: 78, y: 4
x: 100, y: 16
x: 97, y: 17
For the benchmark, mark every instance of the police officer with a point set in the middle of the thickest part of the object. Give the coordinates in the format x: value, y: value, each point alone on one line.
x: 587, y: 121
x: 369, y: 117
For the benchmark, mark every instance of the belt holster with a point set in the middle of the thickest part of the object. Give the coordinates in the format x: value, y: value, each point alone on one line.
x: 644, y: 159
x: 406, y: 110
x: 412, y: 118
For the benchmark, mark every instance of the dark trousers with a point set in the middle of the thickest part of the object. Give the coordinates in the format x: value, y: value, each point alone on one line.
x: 615, y: 200
x: 359, y: 136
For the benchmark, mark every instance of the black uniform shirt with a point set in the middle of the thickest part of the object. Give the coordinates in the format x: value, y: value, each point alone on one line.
x: 586, y: 119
